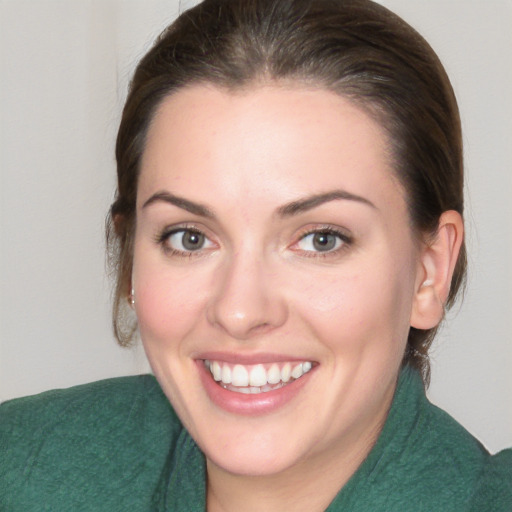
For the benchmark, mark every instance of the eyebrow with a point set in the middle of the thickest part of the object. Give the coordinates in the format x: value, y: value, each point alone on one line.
x: 310, y: 202
x: 180, y: 202
x: 287, y: 210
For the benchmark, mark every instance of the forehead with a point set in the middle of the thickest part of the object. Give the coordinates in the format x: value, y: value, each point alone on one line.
x: 294, y: 140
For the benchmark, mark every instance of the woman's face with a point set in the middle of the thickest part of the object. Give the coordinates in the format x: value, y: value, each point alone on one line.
x: 274, y: 272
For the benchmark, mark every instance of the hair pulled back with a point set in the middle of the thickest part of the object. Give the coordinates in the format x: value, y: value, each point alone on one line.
x: 355, y: 48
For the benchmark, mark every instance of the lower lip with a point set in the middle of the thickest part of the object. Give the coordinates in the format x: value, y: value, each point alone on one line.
x: 249, y: 404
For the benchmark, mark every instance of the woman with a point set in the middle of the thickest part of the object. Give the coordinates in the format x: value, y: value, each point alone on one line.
x: 288, y: 231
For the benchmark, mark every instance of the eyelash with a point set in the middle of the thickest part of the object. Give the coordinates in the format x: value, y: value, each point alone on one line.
x: 163, y: 240
x: 345, y: 241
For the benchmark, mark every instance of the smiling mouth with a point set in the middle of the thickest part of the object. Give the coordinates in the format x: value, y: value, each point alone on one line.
x: 259, y: 378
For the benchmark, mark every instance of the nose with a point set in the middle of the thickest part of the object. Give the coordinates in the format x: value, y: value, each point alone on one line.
x: 247, y: 301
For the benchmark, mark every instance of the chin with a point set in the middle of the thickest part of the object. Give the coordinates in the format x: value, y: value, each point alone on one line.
x: 252, y: 460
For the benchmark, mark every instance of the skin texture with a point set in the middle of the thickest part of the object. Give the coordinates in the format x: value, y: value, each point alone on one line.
x: 258, y: 286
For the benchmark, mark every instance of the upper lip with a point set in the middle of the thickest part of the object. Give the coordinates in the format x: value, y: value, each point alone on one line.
x: 248, y: 359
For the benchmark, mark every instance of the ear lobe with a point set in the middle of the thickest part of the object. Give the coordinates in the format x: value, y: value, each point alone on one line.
x: 437, y: 263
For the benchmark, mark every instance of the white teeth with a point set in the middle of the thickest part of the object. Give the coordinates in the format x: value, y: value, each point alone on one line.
x: 258, y: 376
x: 297, y: 371
x: 216, y: 371
x: 255, y: 379
x: 286, y: 372
x: 274, y: 374
x: 240, y: 376
x: 226, y: 374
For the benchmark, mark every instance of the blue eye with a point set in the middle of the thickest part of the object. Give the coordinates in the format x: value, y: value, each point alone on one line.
x: 186, y: 240
x: 321, y: 241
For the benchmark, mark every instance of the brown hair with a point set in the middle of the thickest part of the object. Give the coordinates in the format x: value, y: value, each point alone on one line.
x: 356, y: 48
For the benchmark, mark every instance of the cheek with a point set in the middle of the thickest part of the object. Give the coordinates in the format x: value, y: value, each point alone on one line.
x: 168, y: 303
x: 367, y: 307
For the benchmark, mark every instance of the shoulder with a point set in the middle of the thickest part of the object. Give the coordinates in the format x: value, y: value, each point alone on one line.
x: 462, y: 466
x: 114, y: 433
x: 424, y: 456
x: 493, y: 490
x: 109, y: 389
x: 101, y: 405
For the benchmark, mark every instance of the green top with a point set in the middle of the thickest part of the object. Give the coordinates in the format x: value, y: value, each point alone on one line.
x: 118, y: 445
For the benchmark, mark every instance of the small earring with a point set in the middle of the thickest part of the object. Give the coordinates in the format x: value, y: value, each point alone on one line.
x: 131, y: 297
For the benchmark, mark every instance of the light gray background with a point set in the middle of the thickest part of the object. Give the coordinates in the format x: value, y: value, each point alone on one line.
x: 64, y: 68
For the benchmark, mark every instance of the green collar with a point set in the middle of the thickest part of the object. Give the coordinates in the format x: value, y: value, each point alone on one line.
x: 422, y: 461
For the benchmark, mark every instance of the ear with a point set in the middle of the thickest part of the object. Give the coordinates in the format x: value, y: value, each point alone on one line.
x: 437, y: 262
